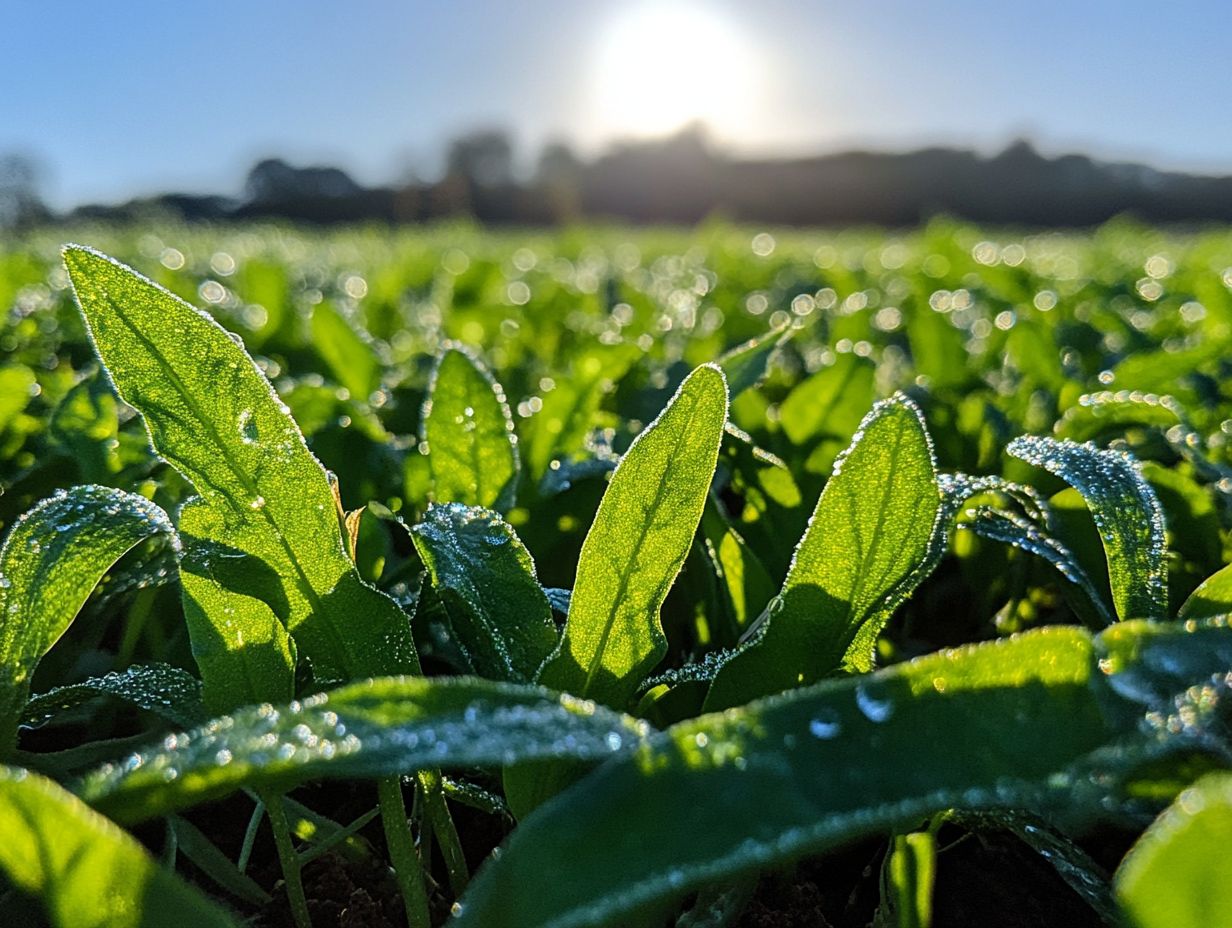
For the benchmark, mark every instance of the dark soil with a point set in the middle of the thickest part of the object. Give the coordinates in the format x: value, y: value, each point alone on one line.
x: 341, y: 894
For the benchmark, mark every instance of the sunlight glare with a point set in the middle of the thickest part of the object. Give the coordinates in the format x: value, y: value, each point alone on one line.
x: 661, y: 66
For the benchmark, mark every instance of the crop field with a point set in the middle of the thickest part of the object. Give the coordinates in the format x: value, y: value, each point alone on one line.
x: 725, y: 577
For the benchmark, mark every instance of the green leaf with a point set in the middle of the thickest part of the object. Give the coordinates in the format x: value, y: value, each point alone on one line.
x: 637, y: 544
x: 468, y: 427
x: 1212, y: 597
x: 830, y: 403
x: 1179, y: 874
x: 1053, y: 720
x: 747, y: 363
x: 485, y: 576
x: 907, y: 878
x: 212, y: 414
x: 51, y: 560
x: 350, y: 357
x: 1126, y: 512
x: 167, y: 691
x: 377, y: 728
x: 241, y: 647
x: 864, y: 551
x: 88, y: 873
x: 16, y: 382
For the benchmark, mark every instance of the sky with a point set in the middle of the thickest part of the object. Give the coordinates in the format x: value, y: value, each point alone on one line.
x: 138, y: 97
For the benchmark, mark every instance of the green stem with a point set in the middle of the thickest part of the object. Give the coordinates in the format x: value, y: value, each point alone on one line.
x: 289, y: 859
x: 401, y: 844
x: 250, y: 836
x: 437, y: 812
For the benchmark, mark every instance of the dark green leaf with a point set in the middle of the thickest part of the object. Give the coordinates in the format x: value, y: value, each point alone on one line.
x: 51, y: 560
x: 167, y: 691
x: 485, y: 576
x: 378, y: 728
x: 1053, y: 720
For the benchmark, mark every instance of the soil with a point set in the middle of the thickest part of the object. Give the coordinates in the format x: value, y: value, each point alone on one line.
x: 341, y: 894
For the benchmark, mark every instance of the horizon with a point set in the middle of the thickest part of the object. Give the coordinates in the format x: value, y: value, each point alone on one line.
x: 189, y: 99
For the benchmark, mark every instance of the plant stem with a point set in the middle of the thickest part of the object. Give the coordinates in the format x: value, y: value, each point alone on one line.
x: 289, y: 859
x: 250, y: 836
x: 437, y: 813
x: 401, y: 844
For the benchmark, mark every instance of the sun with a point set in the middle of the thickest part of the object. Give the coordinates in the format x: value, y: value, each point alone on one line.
x: 662, y: 65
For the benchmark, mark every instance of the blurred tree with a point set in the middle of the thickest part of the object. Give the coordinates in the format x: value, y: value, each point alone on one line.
x: 484, y: 158
x: 20, y: 202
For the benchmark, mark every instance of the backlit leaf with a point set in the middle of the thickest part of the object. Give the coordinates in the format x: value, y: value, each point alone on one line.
x: 212, y: 414
x: 88, y: 872
x: 472, y: 450
x: 860, y: 557
x: 637, y: 544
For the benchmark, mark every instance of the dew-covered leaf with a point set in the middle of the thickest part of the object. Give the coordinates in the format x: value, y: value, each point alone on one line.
x: 747, y: 363
x: 1179, y: 873
x: 873, y: 528
x: 472, y: 451
x: 86, y: 871
x: 51, y: 560
x: 1126, y: 512
x: 166, y: 691
x: 1053, y: 720
x: 497, y: 610
x: 389, y: 726
x: 212, y: 414
x: 637, y: 544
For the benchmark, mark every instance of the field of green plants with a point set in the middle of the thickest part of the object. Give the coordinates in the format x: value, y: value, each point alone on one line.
x: 728, y: 577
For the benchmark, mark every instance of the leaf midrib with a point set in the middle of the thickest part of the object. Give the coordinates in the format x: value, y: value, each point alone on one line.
x: 302, y: 583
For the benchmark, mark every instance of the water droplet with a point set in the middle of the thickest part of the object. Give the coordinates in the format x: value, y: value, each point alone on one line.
x: 874, y: 708
x: 825, y: 725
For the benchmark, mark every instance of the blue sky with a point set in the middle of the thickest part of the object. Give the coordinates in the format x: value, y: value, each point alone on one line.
x: 135, y: 97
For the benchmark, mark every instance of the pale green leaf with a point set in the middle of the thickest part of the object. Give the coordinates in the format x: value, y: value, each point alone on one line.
x: 51, y: 560
x: 351, y: 358
x: 472, y: 451
x: 637, y: 544
x: 212, y: 414
x: 499, y: 614
x: 88, y: 873
x: 1126, y: 512
x: 1179, y: 873
x: 872, y: 531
